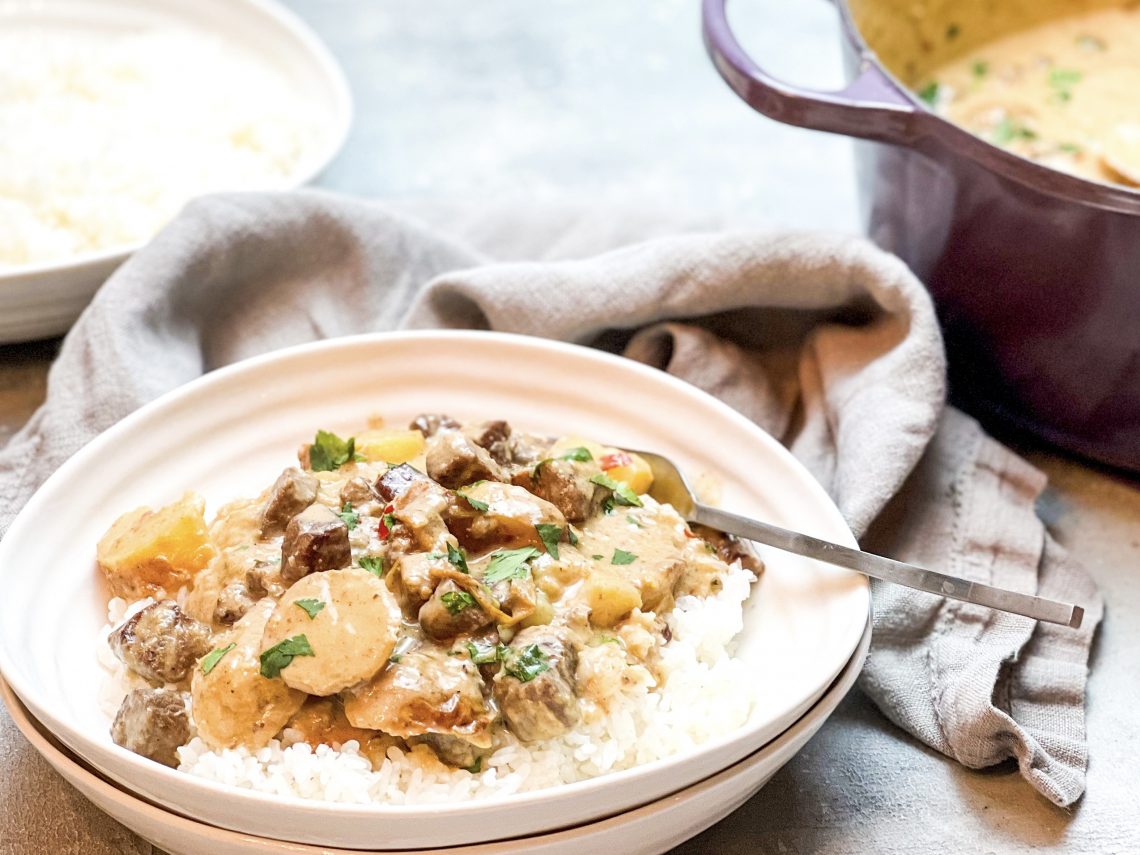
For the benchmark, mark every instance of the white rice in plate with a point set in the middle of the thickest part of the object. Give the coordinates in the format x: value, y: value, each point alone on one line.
x: 700, y: 698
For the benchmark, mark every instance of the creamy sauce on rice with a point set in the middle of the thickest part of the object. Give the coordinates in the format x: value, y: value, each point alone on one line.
x: 523, y: 614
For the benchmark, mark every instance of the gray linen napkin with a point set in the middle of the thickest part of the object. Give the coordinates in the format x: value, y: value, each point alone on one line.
x: 825, y: 341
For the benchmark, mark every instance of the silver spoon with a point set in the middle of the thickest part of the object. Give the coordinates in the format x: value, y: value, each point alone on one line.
x: 669, y: 485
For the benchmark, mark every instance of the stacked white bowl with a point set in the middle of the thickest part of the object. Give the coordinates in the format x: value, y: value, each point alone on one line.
x: 806, y: 625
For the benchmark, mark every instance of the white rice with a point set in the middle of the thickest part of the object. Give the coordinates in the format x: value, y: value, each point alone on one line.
x: 700, y: 697
x: 104, y: 135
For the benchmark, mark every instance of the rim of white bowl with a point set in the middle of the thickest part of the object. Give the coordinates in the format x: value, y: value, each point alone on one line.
x: 110, y: 436
x: 313, y: 164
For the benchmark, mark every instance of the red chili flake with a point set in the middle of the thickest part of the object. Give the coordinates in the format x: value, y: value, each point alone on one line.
x: 384, y: 529
x: 613, y: 461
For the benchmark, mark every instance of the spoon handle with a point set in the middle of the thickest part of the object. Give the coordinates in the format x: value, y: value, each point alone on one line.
x: 890, y: 570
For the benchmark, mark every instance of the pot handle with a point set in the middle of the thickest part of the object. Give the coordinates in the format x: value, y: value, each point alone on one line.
x: 872, y: 106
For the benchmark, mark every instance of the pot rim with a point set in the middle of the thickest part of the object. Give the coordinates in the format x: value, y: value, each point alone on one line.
x: 892, y: 113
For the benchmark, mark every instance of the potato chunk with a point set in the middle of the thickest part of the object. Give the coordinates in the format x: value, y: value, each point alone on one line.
x: 350, y: 619
x: 234, y: 705
x: 389, y: 445
x: 148, y: 553
x: 609, y: 596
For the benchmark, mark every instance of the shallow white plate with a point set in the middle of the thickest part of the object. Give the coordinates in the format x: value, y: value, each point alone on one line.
x: 653, y: 828
x: 45, y: 299
x: 231, y: 432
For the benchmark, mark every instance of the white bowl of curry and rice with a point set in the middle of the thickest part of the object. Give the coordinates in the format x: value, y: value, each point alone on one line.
x: 410, y: 598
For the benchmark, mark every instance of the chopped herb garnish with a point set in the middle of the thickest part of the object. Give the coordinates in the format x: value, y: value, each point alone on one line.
x: 607, y: 639
x: 524, y: 666
x: 435, y: 556
x: 509, y: 564
x: 374, y: 564
x: 395, y: 658
x: 457, y: 601
x: 980, y: 68
x: 571, y: 536
x: 387, y: 523
x: 623, y: 557
x: 1006, y: 131
x: 597, y: 557
x: 211, y: 659
x: 476, y: 767
x: 580, y: 454
x: 350, y: 517
x: 329, y: 452
x: 929, y: 93
x: 952, y: 31
x: 458, y: 558
x: 484, y: 653
x: 632, y: 520
x: 550, y: 535
x: 474, y: 503
x: 1064, y: 76
x: 1070, y: 148
x: 281, y: 654
x: 623, y: 495
x: 1062, y: 80
x: 310, y: 606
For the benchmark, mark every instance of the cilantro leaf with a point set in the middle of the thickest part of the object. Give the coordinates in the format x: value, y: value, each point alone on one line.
x: 374, y: 564
x: 571, y: 536
x: 508, y: 564
x: 349, y: 516
x: 930, y: 92
x: 550, y: 535
x: 980, y: 68
x: 211, y: 659
x: 623, y: 557
x: 457, y: 601
x: 485, y: 653
x: 581, y: 454
x: 632, y: 520
x: 329, y: 452
x: 281, y: 654
x: 476, y: 504
x: 597, y: 557
x: 458, y: 559
x: 622, y: 494
x: 310, y: 606
x: 476, y: 767
x: 524, y: 666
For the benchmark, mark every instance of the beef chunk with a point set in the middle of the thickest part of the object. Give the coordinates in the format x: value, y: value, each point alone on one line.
x: 536, y: 688
x: 397, y: 480
x: 451, y: 611
x: 452, y: 750
x: 527, y: 449
x: 454, y: 461
x: 264, y: 579
x: 356, y: 492
x: 315, y: 540
x: 234, y: 601
x: 429, y: 424
x: 161, y: 643
x: 729, y: 548
x: 412, y: 581
x: 566, y: 484
x: 495, y: 437
x: 153, y: 723
x: 291, y: 493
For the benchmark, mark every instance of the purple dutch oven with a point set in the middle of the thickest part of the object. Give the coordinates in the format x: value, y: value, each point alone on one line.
x: 1035, y: 273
